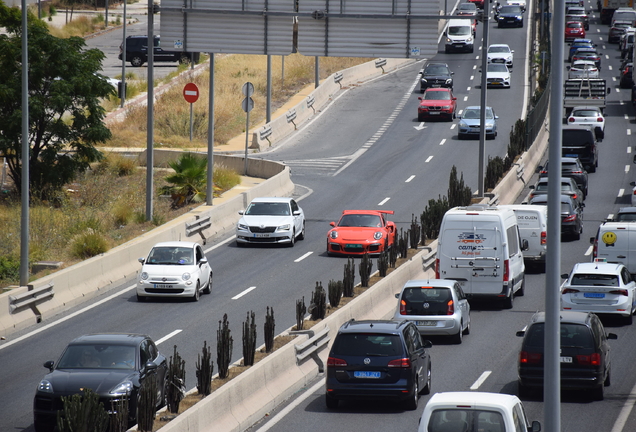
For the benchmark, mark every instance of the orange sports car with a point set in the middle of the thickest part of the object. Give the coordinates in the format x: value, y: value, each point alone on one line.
x: 361, y: 231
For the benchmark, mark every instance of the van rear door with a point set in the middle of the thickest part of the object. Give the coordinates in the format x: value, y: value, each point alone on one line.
x: 613, y: 244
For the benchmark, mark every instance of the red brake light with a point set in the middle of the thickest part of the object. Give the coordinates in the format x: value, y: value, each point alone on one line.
x: 600, y: 119
x: 571, y: 119
x: 592, y: 360
x: 400, y: 363
x: 570, y: 218
x: 544, y: 237
x: 569, y: 291
x: 402, y: 307
x: 437, y: 268
x: 529, y: 357
x: 335, y: 362
x: 451, y: 308
x: 622, y: 292
x: 506, y: 274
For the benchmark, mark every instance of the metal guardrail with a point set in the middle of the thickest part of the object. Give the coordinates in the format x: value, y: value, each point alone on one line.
x: 291, y: 116
x: 265, y: 133
x: 428, y: 260
x: 31, y: 298
x: 310, y: 102
x: 311, y: 346
x: 520, y: 171
x: 198, y: 226
x: 380, y: 63
x: 337, y: 77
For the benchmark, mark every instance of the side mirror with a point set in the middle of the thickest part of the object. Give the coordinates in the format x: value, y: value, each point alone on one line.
x: 496, y: 117
x: 536, y: 426
x: 592, y: 240
x: 203, y: 260
x: 454, y: 98
x: 531, y: 187
x: 49, y: 365
x: 612, y: 336
x: 241, y: 212
x: 419, y: 98
x: 142, y: 260
x: 520, y: 333
x: 564, y: 276
x: 428, y: 344
x: 333, y: 224
x: 397, y: 295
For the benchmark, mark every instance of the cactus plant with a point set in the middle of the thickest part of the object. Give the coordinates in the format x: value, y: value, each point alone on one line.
x: 318, y: 305
x: 393, y: 253
x: 224, y: 343
x: 268, y: 330
x: 335, y: 292
x: 205, y: 368
x: 349, y: 278
x: 366, y: 265
x: 249, y: 339
x: 383, y: 263
x: 301, y: 311
x: 147, y: 404
x: 119, y: 415
x: 175, y: 382
x: 82, y: 413
x: 414, y: 232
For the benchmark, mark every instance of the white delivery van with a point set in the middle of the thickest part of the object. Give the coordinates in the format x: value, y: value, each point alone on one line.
x: 480, y: 247
x: 624, y: 14
x: 460, y: 35
x: 615, y: 242
x: 533, y: 226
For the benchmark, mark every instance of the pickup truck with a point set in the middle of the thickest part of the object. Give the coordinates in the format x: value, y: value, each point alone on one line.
x: 584, y: 92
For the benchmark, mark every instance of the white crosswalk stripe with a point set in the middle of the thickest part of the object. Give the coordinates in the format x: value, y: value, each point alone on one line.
x: 322, y: 166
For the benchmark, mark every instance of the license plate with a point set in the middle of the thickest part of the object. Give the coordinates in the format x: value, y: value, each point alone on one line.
x: 365, y: 374
x: 571, y: 155
x: 262, y: 235
x: 434, y: 113
x: 594, y: 295
x: 426, y: 323
x: 354, y: 246
x: 565, y: 359
x: 162, y: 286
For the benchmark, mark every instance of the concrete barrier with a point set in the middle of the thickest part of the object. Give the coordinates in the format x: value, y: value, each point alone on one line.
x: 78, y: 283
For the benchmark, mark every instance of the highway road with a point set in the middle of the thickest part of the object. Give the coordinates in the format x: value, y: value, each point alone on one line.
x: 366, y: 151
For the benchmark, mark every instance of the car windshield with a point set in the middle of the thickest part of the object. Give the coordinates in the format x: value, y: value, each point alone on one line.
x: 426, y: 300
x: 98, y: 357
x: 367, y: 344
x: 574, y: 25
x: 497, y: 67
x: 467, y: 6
x: 268, y: 209
x: 467, y: 420
x: 459, y: 30
x: 543, y: 187
x: 570, y: 167
x: 474, y: 114
x: 572, y: 335
x: 170, y: 255
x: 625, y: 217
x: 566, y: 207
x: 595, y: 279
x: 436, y: 70
x: 437, y: 95
x: 360, y: 220
x: 498, y: 49
x: 511, y: 9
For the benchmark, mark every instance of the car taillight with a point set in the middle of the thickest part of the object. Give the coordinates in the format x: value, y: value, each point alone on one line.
x: 506, y: 274
x: 569, y: 291
x: 571, y: 119
x: 622, y: 292
x: 544, y: 172
x: 600, y: 119
x: 400, y: 363
x: 574, y: 196
x: 402, y: 307
x: 577, y: 172
x: 437, y: 268
x: 450, y: 309
x: 592, y: 360
x: 529, y: 357
x: 335, y: 362
x: 544, y: 237
x: 570, y: 218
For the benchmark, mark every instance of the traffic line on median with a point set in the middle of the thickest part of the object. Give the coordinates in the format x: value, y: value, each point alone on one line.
x: 480, y: 380
x: 238, y: 296
x: 303, y: 257
x: 383, y: 201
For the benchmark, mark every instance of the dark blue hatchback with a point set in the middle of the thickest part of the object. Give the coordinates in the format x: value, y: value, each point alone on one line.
x: 378, y: 360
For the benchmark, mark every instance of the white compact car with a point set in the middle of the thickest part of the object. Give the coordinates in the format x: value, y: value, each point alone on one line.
x: 500, y: 53
x: 599, y: 287
x: 435, y: 306
x: 174, y: 269
x: 271, y: 220
x: 588, y: 116
x: 583, y: 69
x: 475, y: 412
x: 497, y: 75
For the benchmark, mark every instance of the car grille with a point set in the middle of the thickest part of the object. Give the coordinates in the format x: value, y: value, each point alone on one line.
x: 434, y: 108
x: 498, y: 60
x: 263, y: 239
x: 436, y: 82
x: 162, y: 280
x: 256, y: 229
x: 495, y: 80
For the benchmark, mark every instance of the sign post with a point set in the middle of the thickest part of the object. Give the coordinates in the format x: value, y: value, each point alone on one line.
x: 191, y: 95
x: 248, y: 105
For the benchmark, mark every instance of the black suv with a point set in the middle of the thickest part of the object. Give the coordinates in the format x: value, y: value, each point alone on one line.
x: 585, y: 353
x: 137, y: 52
x: 436, y: 75
x: 581, y: 142
x: 378, y: 360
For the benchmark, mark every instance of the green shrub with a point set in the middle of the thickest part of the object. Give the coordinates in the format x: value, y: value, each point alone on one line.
x: 122, y: 213
x: 9, y: 268
x: 88, y: 244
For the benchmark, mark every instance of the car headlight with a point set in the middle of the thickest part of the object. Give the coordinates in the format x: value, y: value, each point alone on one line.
x: 242, y: 227
x: 186, y: 276
x: 122, y: 388
x: 470, y: 39
x: 446, y: 107
x: 45, y: 386
x: 377, y: 235
x: 449, y: 40
x: 143, y: 276
x: 333, y: 234
x: 462, y: 124
x: 286, y: 227
x: 449, y: 81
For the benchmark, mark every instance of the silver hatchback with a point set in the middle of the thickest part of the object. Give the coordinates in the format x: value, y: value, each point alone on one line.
x: 436, y: 306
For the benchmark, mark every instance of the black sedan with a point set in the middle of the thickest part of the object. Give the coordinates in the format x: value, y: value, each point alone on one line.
x: 112, y: 365
x: 436, y: 75
x: 587, y: 54
x: 571, y: 215
x: 510, y: 16
x: 570, y: 167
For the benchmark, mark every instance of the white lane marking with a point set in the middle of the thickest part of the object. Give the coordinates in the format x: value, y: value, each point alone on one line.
x: 629, y: 131
x: 428, y: 159
x: 626, y: 169
x: 598, y: 31
x: 168, y: 336
x: 617, y: 90
x: 622, y: 102
x: 73, y: 315
x: 610, y: 216
x: 383, y: 201
x: 614, y: 79
x: 480, y: 380
x: 589, y: 251
x: 629, y: 150
x: 604, y: 47
x: 289, y: 408
x: 238, y: 296
x: 472, y: 77
x: 303, y: 257
x: 626, y: 116
x: 623, y: 416
x: 621, y: 191
x: 477, y: 58
x: 460, y: 112
x: 408, y: 180
x: 609, y: 67
x: 474, y: 67
x: 468, y: 89
x: 465, y: 98
x: 606, y: 57
x: 453, y: 126
x: 442, y: 142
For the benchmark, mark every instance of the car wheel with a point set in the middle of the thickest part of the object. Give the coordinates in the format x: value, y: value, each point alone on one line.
x: 141, y: 299
x: 208, y: 288
x: 302, y: 233
x: 331, y: 402
x: 598, y: 393
x: 522, y: 290
x: 197, y: 292
x: 509, y: 301
x: 411, y: 402
x: 459, y: 336
x: 608, y: 379
x: 137, y: 61
x: 467, y: 329
x: 629, y: 319
x: 292, y: 239
x: 427, y: 388
x: 420, y: 118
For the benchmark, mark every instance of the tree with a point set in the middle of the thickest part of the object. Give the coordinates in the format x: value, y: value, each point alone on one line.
x: 65, y: 115
x: 188, y: 181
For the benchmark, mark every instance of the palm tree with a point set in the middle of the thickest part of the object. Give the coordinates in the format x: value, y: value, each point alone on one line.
x: 188, y: 181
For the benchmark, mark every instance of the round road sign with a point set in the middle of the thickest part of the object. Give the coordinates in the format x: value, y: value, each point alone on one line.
x: 191, y: 92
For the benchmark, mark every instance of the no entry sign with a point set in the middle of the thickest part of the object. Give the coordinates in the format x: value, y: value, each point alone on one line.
x: 191, y: 92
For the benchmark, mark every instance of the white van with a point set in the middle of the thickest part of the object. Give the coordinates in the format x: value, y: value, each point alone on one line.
x: 615, y: 242
x: 624, y: 14
x: 460, y: 35
x: 480, y: 247
x: 533, y: 226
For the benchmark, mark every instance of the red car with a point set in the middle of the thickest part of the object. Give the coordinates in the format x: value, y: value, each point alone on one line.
x: 361, y: 231
x: 436, y: 103
x: 574, y: 30
x: 478, y: 3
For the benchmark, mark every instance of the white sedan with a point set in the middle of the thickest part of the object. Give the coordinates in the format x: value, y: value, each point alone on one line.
x: 174, y: 269
x: 272, y: 221
x: 588, y: 116
x: 497, y: 75
x: 601, y: 288
x: 583, y: 69
x: 500, y: 53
